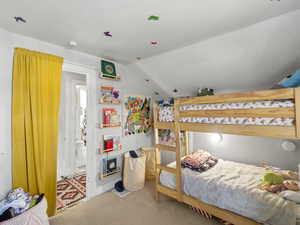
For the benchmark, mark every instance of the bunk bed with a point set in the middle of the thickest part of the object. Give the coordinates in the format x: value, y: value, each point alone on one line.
x: 271, y: 113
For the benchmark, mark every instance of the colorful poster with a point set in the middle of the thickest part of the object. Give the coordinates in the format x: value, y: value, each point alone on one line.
x: 137, y: 115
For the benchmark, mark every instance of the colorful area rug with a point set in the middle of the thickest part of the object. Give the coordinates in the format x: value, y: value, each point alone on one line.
x: 70, y: 191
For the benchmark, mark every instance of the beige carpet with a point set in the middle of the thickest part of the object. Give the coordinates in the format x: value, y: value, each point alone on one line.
x: 138, y: 208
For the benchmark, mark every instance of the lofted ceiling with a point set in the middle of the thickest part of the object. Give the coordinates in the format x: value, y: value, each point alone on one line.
x: 181, y: 22
x: 252, y: 58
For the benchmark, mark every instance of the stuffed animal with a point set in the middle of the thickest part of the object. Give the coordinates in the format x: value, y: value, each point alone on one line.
x: 205, y: 91
x: 288, y: 175
x: 291, y: 185
x: 275, y: 182
x: 272, y: 179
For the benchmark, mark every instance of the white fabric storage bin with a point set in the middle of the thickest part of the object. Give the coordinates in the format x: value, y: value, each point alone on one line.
x: 134, y: 172
x: 37, y: 215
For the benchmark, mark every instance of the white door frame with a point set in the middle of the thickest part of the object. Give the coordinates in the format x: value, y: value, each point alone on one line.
x: 91, y: 84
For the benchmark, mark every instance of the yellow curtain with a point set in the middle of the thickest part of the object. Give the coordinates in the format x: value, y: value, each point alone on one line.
x: 35, y: 110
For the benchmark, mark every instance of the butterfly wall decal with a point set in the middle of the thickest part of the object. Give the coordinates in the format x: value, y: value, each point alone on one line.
x: 107, y: 34
x: 19, y: 19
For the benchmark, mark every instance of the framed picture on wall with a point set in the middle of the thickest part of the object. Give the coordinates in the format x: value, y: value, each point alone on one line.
x: 108, y: 70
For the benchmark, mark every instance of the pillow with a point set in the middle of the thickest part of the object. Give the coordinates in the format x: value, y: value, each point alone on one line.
x: 291, y: 82
x: 291, y: 195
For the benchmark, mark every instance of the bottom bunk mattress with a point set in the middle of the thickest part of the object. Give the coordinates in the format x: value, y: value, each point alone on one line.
x: 234, y: 187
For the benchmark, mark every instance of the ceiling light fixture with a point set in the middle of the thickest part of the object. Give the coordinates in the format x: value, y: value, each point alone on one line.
x: 73, y: 44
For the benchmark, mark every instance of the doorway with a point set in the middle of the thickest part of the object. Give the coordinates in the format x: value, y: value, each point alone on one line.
x: 72, y: 148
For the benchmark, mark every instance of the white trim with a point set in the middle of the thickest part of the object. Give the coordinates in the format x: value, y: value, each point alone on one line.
x: 76, y: 67
x: 91, y: 83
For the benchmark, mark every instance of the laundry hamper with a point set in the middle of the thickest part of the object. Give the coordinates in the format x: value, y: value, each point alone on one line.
x: 134, y: 172
x: 150, y: 162
x: 35, y: 216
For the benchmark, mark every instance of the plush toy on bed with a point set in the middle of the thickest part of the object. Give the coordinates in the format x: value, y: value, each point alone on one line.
x: 276, y: 183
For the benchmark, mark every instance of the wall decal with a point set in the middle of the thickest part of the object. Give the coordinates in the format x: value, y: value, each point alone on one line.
x: 19, y: 19
x: 154, y: 43
x: 153, y: 18
x: 107, y: 34
x: 137, y: 115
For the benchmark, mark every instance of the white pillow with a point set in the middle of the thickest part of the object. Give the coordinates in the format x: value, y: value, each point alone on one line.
x: 291, y: 195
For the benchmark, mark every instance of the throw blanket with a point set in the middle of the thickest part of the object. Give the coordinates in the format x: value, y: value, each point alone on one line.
x: 199, y: 161
x: 233, y: 186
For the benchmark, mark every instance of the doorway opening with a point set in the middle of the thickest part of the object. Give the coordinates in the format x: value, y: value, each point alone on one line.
x: 72, y: 147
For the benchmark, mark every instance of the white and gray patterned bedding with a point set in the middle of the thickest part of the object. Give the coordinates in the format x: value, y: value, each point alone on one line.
x: 233, y: 186
x: 241, y: 105
x: 240, y: 121
x: 166, y: 114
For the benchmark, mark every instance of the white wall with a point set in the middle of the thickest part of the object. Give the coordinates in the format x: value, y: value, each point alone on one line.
x: 253, y: 150
x: 133, y: 84
x: 5, y: 110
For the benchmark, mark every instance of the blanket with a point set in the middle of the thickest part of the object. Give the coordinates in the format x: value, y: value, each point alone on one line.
x: 199, y: 161
x: 234, y: 186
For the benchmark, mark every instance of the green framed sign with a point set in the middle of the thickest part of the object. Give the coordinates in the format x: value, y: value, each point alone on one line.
x: 108, y: 70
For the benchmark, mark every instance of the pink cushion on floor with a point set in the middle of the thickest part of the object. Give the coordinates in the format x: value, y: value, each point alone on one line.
x: 35, y: 216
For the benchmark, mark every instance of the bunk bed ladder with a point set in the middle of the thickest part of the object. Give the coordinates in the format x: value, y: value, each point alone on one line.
x: 177, y: 150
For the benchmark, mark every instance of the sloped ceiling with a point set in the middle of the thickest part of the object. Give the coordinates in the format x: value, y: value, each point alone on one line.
x: 252, y: 58
x: 181, y: 22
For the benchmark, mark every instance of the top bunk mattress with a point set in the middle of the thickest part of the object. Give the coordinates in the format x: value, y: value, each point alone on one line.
x: 166, y: 114
x: 233, y: 186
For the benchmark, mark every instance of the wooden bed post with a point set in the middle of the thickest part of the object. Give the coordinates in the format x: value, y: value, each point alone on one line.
x: 157, y: 152
x: 297, y: 111
x: 178, y: 151
x: 187, y: 143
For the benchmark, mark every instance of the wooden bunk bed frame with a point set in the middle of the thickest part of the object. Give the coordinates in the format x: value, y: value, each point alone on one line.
x: 285, y: 132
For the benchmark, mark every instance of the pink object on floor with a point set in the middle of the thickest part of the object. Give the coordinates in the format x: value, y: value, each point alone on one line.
x: 37, y: 215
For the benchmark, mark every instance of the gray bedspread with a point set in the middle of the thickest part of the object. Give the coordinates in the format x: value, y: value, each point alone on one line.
x: 233, y: 186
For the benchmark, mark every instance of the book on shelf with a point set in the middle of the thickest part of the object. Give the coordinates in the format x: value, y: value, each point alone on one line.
x: 109, y: 95
x: 111, y: 117
x: 111, y: 143
x: 110, y: 166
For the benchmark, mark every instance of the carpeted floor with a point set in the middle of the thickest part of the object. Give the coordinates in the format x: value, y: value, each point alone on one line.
x: 135, y: 209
